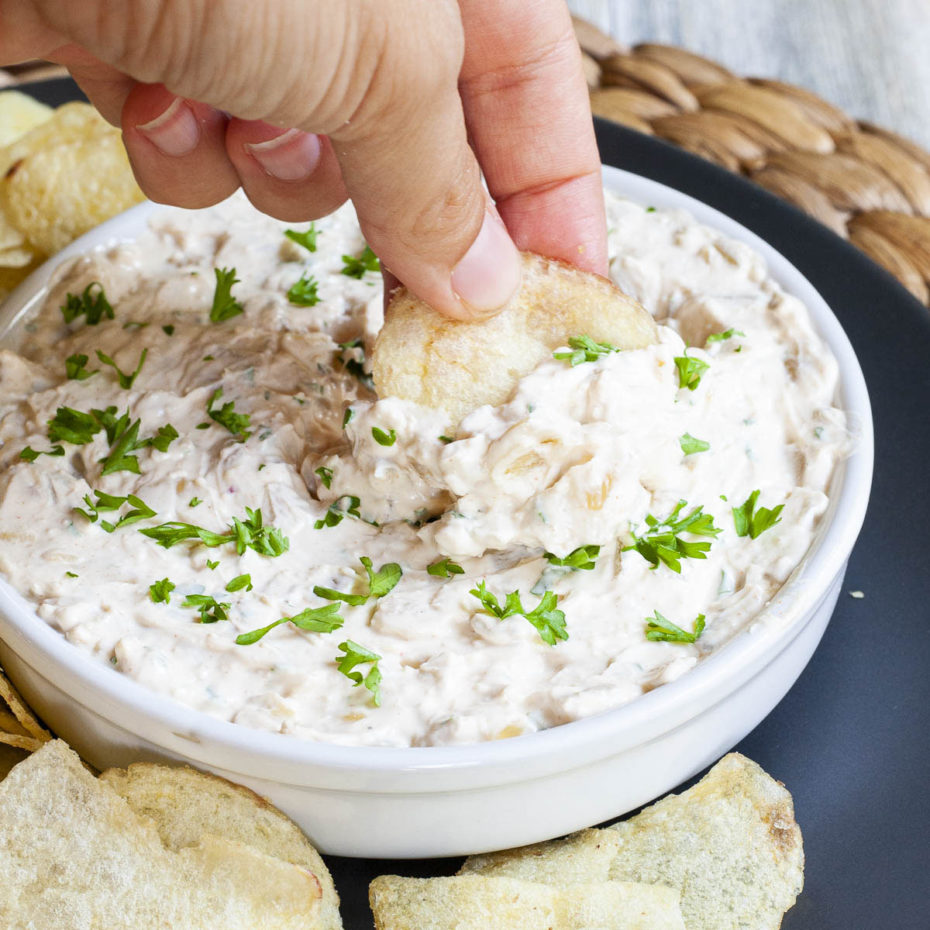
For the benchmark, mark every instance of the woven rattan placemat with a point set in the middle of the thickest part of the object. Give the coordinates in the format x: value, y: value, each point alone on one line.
x: 867, y: 184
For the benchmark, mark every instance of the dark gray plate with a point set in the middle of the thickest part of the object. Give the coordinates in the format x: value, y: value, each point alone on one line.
x: 852, y: 738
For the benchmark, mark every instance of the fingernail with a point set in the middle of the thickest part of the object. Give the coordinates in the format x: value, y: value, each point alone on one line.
x: 489, y: 272
x: 292, y: 156
x: 175, y: 132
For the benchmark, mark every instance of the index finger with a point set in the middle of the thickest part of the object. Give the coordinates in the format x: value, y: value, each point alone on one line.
x: 529, y: 120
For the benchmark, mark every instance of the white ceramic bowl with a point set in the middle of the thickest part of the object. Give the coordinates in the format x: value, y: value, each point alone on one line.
x: 439, y: 801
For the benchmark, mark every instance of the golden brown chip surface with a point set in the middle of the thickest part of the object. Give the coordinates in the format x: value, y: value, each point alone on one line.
x: 458, y: 366
x: 730, y: 843
x: 481, y: 902
x: 24, y: 716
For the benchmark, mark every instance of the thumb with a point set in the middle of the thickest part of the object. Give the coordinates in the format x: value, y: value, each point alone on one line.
x: 379, y: 78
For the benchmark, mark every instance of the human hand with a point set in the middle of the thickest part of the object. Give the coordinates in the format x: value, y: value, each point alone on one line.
x: 383, y: 97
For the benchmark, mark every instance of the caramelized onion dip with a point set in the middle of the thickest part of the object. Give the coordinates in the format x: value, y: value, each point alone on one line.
x: 247, y: 473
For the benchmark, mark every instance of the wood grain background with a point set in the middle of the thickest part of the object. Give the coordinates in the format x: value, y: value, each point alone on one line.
x: 869, y: 57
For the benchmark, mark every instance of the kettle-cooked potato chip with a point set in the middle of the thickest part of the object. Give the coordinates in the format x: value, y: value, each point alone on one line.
x: 18, y: 114
x: 458, y: 366
x: 64, y: 177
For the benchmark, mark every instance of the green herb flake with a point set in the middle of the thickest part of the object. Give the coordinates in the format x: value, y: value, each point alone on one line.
x: 225, y: 306
x: 581, y: 559
x: 213, y: 565
x: 92, y: 304
x: 384, y: 438
x: 347, y: 417
x: 379, y: 583
x: 584, y: 349
x: 354, y: 655
x: 335, y: 512
x: 30, y: 455
x: 721, y: 337
x: 548, y: 620
x: 72, y: 575
x: 662, y: 542
x: 210, y: 609
x: 325, y: 475
x: 236, y: 423
x: 446, y: 440
x: 194, y: 502
x: 76, y: 368
x: 168, y: 329
x: 445, y: 568
x: 74, y: 426
x: 660, y: 630
x: 325, y: 619
x: 110, y: 503
x: 303, y: 292
x: 160, y: 591
x: 356, y: 267
x: 690, y: 445
x: 126, y: 381
x: 240, y: 583
x: 752, y: 522
x: 250, y: 533
x: 690, y: 371
x: 307, y: 239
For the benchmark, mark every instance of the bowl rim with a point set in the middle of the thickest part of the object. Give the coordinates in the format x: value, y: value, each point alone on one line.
x: 214, y: 741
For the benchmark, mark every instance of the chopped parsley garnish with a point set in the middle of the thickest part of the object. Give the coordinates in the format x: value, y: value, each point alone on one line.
x: 123, y: 436
x: 690, y: 444
x: 76, y: 368
x: 160, y: 591
x: 662, y: 542
x: 660, y: 630
x: 168, y: 329
x: 239, y: 583
x: 347, y: 417
x: 303, y: 293
x: 110, y: 503
x: 584, y: 349
x: 354, y: 655
x: 194, y: 502
x: 250, y: 533
x: 446, y: 440
x: 236, y: 423
x: 384, y: 438
x: 690, y: 371
x: 213, y: 565
x: 72, y: 575
x: 580, y: 559
x: 30, y: 455
x: 379, y: 583
x: 307, y: 239
x: 325, y: 475
x: 92, y: 304
x: 210, y: 609
x: 720, y: 337
x: 335, y: 512
x: 225, y: 306
x: 312, y: 620
x: 752, y: 522
x: 74, y: 426
x: 354, y: 267
x: 545, y: 616
x: 125, y: 381
x: 445, y: 568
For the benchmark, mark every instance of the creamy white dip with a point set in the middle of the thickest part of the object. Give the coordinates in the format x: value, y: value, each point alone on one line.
x: 580, y: 456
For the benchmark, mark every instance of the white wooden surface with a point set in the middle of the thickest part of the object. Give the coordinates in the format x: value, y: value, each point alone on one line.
x: 869, y: 57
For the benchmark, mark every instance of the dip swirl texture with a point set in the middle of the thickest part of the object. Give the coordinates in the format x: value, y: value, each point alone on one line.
x: 580, y: 460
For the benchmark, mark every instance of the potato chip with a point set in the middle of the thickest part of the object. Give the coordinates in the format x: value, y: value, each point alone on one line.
x: 730, y: 843
x: 18, y: 114
x: 26, y: 719
x: 10, y: 236
x: 184, y: 804
x: 459, y: 366
x: 480, y: 902
x: 64, y: 177
x: 74, y: 855
x: 585, y: 856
